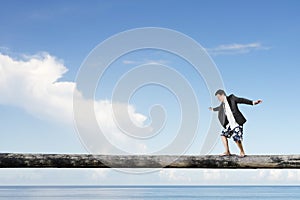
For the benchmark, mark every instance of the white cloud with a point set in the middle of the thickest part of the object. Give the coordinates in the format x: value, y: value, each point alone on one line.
x: 32, y: 84
x: 4, y: 49
x: 8, y: 176
x: 278, y: 175
x: 129, y: 62
x: 142, y: 62
x: 213, y: 175
x: 231, y: 177
x: 99, y: 174
x: 174, y: 176
x: 293, y: 175
x: 195, y: 176
x: 164, y: 176
x: 54, y: 176
x: 236, y: 48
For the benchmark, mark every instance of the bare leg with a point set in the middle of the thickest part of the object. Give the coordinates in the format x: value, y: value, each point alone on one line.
x: 240, y: 145
x: 225, y: 143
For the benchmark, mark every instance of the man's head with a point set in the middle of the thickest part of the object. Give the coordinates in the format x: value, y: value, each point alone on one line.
x: 220, y: 94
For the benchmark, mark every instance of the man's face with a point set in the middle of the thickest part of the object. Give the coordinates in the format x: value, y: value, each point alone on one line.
x: 221, y: 97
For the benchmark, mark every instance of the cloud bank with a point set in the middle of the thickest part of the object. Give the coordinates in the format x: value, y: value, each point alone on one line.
x: 236, y: 48
x: 33, y: 84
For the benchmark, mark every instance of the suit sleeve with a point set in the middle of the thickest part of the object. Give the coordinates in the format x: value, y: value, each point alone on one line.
x: 243, y: 100
x: 216, y: 108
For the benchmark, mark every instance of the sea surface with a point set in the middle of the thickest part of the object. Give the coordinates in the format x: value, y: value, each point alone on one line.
x: 149, y: 192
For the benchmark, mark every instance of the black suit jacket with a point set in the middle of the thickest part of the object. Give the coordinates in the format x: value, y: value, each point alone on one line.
x: 233, y: 102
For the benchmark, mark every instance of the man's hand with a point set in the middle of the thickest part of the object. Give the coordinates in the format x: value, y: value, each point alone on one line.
x: 257, y: 102
x: 210, y: 108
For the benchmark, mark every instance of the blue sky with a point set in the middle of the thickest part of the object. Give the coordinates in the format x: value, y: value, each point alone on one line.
x: 254, y: 44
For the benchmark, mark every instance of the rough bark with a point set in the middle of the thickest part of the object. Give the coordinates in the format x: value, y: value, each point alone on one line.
x: 15, y: 160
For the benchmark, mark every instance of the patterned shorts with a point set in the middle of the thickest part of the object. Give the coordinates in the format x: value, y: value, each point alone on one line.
x: 236, y: 133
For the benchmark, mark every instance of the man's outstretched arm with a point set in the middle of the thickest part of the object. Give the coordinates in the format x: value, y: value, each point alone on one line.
x: 214, y: 109
x: 247, y: 101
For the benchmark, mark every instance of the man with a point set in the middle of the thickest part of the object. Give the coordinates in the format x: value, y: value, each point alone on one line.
x: 232, y: 119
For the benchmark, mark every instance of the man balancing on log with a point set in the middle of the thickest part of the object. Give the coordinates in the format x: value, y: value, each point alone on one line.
x: 232, y: 119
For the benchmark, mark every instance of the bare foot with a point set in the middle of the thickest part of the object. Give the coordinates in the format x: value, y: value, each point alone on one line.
x: 242, y: 154
x: 226, y: 154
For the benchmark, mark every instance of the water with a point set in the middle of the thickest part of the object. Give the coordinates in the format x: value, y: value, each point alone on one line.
x: 149, y: 192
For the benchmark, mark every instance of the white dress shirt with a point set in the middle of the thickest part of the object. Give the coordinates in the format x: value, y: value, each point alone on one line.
x: 232, y: 123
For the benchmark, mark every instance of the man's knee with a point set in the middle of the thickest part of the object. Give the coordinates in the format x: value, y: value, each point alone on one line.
x: 224, y: 137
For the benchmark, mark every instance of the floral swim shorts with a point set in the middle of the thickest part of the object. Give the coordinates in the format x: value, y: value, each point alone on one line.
x: 236, y: 133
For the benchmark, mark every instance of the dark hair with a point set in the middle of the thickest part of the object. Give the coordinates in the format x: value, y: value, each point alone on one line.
x: 220, y: 92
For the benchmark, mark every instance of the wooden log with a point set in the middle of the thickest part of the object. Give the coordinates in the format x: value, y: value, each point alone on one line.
x: 18, y: 160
